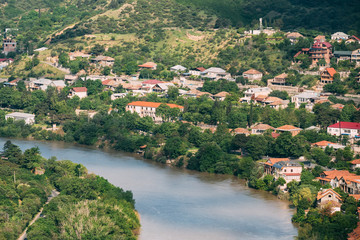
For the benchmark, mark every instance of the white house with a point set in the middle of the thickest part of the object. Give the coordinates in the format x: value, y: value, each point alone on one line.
x: 351, y: 129
x: 17, y: 116
x: 178, y: 68
x: 289, y: 170
x: 355, y: 164
x: 216, y: 73
x: 81, y: 92
x: 330, y: 198
x: 339, y: 36
x: 148, y: 109
x: 304, y: 97
x: 115, y: 96
x: 255, y: 92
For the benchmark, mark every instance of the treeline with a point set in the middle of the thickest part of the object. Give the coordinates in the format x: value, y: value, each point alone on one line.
x: 83, y: 197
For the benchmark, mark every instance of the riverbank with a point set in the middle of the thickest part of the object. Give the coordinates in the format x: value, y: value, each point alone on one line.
x: 174, y: 203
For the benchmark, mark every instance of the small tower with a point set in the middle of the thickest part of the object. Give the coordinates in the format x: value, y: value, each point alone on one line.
x: 261, y: 25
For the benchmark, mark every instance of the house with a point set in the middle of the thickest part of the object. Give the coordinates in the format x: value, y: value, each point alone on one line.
x: 178, y: 68
x: 196, y: 71
x: 329, y: 198
x: 70, y: 79
x: 351, y: 129
x: 338, y: 106
x: 148, y: 109
x: 39, y: 84
x: 278, y: 80
x: 18, y: 116
x: 355, y: 164
x: 355, y: 56
x: 261, y: 128
x: 349, y: 184
x: 268, y: 166
x: 9, y: 45
x: 252, y: 93
x: 304, y: 98
x: 353, y: 39
x: 75, y: 55
x: 194, y: 93
x: 237, y: 131
x: 81, y: 92
x: 162, y: 87
x: 115, y: 96
x: 332, y: 177
x: 339, y: 36
x: 103, y: 61
x: 274, y: 102
x: 320, y: 38
x: 327, y: 76
x: 252, y: 75
x: 324, y: 144
x: 320, y: 50
x: 4, y: 62
x: 12, y: 83
x: 148, y: 65
x: 289, y: 170
x: 58, y: 84
x: 289, y: 128
x: 293, y: 36
x: 342, y: 55
x: 110, y: 84
x: 216, y: 73
x: 220, y: 96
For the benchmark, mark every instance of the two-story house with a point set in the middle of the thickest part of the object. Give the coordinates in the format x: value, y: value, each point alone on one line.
x: 351, y: 129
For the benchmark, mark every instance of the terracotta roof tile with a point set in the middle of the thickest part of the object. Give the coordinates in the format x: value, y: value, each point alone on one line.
x: 79, y: 89
x: 288, y: 128
x: 252, y: 71
x: 153, y: 104
x: 331, y: 71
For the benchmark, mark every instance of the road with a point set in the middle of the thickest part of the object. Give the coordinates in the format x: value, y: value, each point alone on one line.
x: 53, y: 194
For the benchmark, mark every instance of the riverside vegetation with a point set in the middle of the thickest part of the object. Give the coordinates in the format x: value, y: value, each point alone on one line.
x: 88, y: 207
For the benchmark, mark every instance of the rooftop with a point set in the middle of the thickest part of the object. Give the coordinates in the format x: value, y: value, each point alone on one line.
x: 153, y: 104
x: 79, y: 89
x: 347, y: 125
x: 288, y: 128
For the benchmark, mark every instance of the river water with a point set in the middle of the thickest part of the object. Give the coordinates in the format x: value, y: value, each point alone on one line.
x: 176, y: 204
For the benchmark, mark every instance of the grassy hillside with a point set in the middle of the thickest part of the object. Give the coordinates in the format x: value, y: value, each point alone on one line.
x: 329, y: 16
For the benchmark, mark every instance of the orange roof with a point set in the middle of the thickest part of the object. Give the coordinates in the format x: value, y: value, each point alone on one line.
x: 320, y: 37
x: 325, y: 192
x: 260, y: 98
x: 262, y: 126
x: 252, y: 71
x: 153, y: 104
x: 356, y: 161
x: 336, y: 174
x: 283, y: 75
x: 79, y: 89
x: 241, y: 131
x: 221, y: 94
x: 108, y: 81
x: 337, y: 106
x: 356, y: 196
x: 322, y: 143
x: 273, y: 99
x: 331, y: 71
x: 355, y: 234
x: 272, y: 161
x: 148, y: 65
x: 288, y: 128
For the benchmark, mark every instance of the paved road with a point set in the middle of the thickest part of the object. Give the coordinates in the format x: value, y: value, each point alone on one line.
x: 53, y: 194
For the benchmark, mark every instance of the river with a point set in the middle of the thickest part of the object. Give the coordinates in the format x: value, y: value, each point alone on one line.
x: 177, y: 204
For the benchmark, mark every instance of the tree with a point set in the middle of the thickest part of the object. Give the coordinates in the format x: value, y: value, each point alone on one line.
x: 175, y: 147
x: 173, y: 93
x: 256, y: 146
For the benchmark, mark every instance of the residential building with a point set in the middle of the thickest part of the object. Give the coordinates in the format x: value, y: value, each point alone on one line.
x: 81, y: 92
x: 278, y: 80
x: 355, y: 164
x: 39, y: 84
x: 342, y: 55
x: 305, y: 98
x: 216, y: 73
x: 321, y: 50
x: 220, y: 96
x: 289, y: 170
x: 162, y: 87
x: 349, y: 184
x: 293, y: 36
x: 338, y: 106
x: 58, y: 84
x: 148, y: 65
x: 269, y: 164
x: 196, y: 71
x: 339, y: 36
x: 353, y: 39
x: 70, y: 79
x: 274, y: 102
x: 327, y: 76
x: 329, y: 198
x: 252, y: 75
x: 75, y: 55
x: 324, y: 144
x: 9, y: 45
x: 196, y: 93
x: 110, y: 84
x: 237, y: 131
x: 351, y: 129
x: 289, y: 128
x: 261, y: 128
x: 148, y: 109
x: 115, y: 96
x: 332, y: 177
x: 355, y: 56
x: 320, y: 38
x: 255, y: 92
x: 18, y: 116
x: 178, y: 68
x: 103, y: 61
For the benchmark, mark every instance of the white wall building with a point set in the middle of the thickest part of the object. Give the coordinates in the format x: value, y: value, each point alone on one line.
x: 304, y: 97
x: 18, y: 116
x: 351, y: 129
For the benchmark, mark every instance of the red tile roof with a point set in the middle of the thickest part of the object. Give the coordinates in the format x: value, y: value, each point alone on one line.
x: 356, y: 161
x: 292, y: 174
x: 322, y: 143
x: 201, y: 69
x: 331, y: 71
x: 153, y: 104
x: 153, y: 82
x: 148, y: 65
x: 347, y: 125
x: 79, y: 89
x: 252, y: 71
x: 275, y: 135
x: 272, y: 161
x: 288, y: 128
x: 325, y: 192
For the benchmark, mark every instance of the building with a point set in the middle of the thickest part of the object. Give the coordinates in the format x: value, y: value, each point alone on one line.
x: 110, y: 84
x: 216, y: 73
x: 320, y: 38
x: 327, y: 76
x: 268, y: 166
x: 293, y: 36
x: 237, y: 131
x: 70, y: 79
x: 103, y: 61
x: 289, y: 128
x: 252, y: 93
x: 148, y: 65
x: 178, y: 68
x: 342, y: 55
x: 9, y: 45
x: 75, y: 55
x: 355, y: 164
x: 252, y: 75
x: 324, y: 144
x: 18, y: 116
x: 196, y: 71
x: 353, y: 39
x: 355, y: 56
x: 351, y: 129
x: 278, y: 80
x: 273, y: 102
x: 320, y: 50
x: 220, y: 96
x: 305, y: 98
x: 148, y: 109
x: 329, y: 198
x: 283, y: 167
x: 339, y: 36
x: 332, y: 177
x: 115, y: 96
x: 58, y: 84
x: 261, y: 128
x: 81, y: 92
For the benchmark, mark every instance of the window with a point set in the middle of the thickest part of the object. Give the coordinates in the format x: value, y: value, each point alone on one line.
x: 291, y: 170
x: 330, y: 196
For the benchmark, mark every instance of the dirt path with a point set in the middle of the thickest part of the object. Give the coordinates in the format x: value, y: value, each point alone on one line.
x: 53, y: 194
